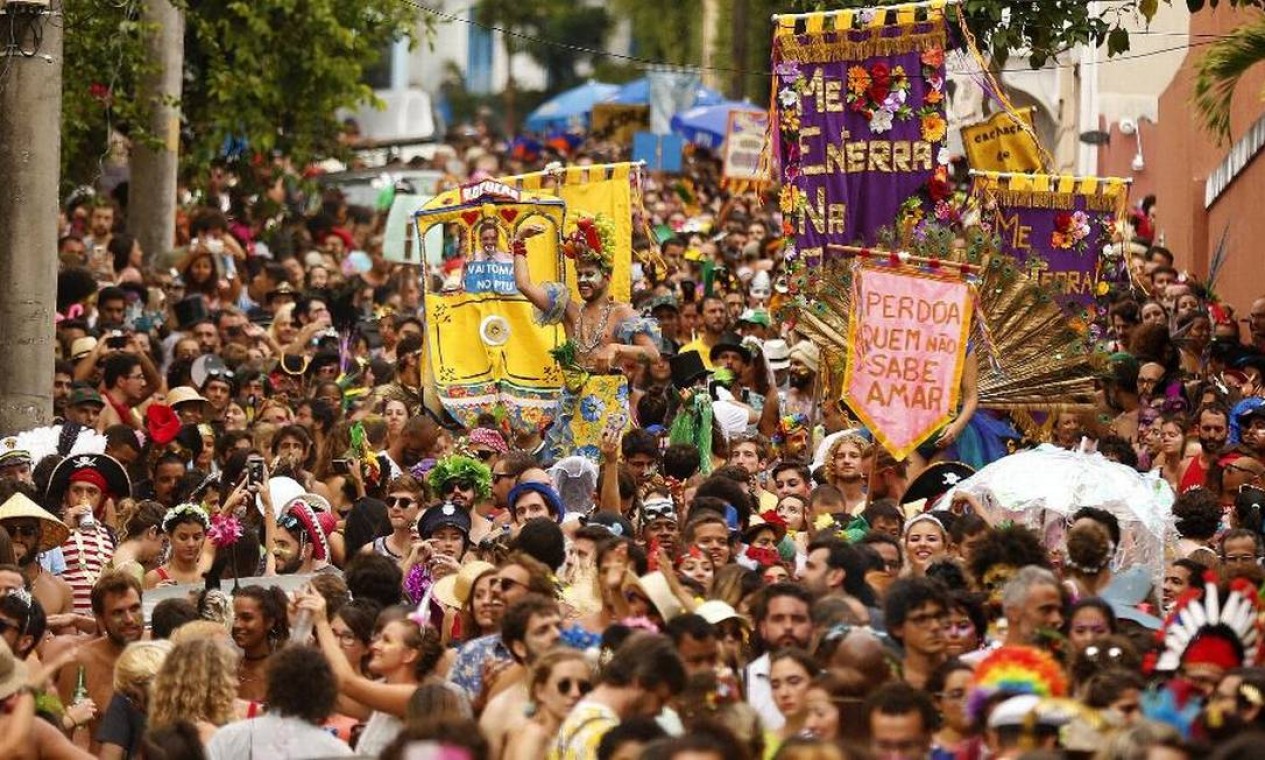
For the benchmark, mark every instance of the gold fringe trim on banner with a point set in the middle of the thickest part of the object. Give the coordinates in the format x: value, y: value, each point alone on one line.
x: 1054, y: 191
x: 820, y: 49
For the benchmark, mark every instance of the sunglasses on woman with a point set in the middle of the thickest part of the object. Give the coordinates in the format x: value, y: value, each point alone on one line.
x: 581, y: 686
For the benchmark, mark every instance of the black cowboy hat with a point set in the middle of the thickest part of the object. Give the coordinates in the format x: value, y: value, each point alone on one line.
x: 936, y: 480
x: 117, y: 483
x: 730, y: 342
x: 687, y: 369
x: 189, y: 311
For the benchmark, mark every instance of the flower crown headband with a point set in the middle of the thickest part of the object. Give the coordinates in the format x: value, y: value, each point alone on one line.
x: 186, y: 510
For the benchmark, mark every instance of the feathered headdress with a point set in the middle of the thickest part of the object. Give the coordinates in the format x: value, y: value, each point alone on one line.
x: 68, y: 439
x: 457, y: 467
x: 1213, y: 626
x: 592, y: 242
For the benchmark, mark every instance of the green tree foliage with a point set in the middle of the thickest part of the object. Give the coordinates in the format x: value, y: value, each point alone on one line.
x: 669, y: 31
x: 562, y: 22
x: 575, y: 23
x: 265, y: 74
x: 104, y: 55
x: 1219, y: 72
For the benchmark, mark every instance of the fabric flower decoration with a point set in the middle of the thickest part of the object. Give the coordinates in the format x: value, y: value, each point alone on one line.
x: 224, y: 531
x: 858, y: 80
x: 788, y: 69
x: 763, y: 556
x: 932, y: 57
x: 938, y: 187
x: 880, y: 122
x: 788, y: 97
x: 934, y: 127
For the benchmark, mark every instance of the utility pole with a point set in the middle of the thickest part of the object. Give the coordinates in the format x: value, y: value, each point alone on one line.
x: 151, y: 204
x: 30, y: 172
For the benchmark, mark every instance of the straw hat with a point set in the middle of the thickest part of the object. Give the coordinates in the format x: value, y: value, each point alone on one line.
x: 81, y: 347
x: 19, y: 506
x: 183, y: 394
x: 454, y: 590
x: 716, y: 612
x: 655, y: 586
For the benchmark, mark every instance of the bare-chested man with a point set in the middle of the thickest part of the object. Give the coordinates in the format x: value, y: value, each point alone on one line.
x: 604, y: 333
x: 34, y: 530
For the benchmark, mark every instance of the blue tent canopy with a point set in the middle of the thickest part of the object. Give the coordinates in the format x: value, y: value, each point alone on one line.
x: 637, y: 92
x: 706, y: 125
x: 569, y: 108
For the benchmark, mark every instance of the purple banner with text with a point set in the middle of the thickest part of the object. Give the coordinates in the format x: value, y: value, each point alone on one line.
x: 859, y: 100
x: 1057, y: 226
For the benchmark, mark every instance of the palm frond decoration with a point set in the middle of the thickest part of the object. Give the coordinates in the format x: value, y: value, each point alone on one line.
x: 1031, y: 356
x: 1219, y: 72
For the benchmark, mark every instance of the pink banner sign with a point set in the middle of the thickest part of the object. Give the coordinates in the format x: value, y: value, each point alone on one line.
x: 906, y: 348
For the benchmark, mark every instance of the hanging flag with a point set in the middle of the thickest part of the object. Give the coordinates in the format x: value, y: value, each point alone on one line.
x: 859, y: 102
x: 744, y: 144
x: 618, y: 122
x: 1060, y: 227
x: 671, y: 91
x: 907, y: 339
x: 1004, y: 142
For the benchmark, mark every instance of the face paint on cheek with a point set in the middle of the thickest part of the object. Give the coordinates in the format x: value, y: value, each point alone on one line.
x: 588, y: 277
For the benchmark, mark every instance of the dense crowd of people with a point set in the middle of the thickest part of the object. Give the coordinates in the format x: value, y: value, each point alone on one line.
x: 251, y: 532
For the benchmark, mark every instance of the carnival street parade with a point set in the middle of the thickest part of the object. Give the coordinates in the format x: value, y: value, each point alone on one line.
x: 828, y: 433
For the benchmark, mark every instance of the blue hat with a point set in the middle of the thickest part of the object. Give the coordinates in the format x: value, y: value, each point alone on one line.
x: 551, y: 496
x: 1241, y: 415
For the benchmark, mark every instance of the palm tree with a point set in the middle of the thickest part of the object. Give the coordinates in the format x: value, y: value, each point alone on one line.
x: 1219, y: 72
